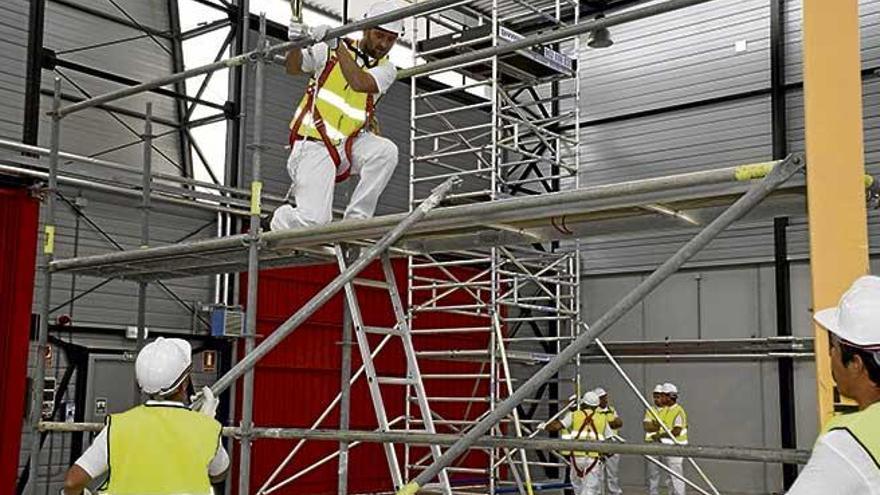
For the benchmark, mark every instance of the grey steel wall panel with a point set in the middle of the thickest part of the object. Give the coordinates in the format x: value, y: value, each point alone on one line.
x: 13, y: 59
x: 682, y: 141
x: 677, y: 57
x: 141, y: 59
x: 116, y: 302
x: 712, y: 303
x: 147, y: 13
x: 869, y: 13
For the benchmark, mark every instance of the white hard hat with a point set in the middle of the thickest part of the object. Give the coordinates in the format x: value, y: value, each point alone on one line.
x: 384, y: 7
x: 600, y: 392
x: 162, y: 365
x: 669, y: 388
x: 856, y: 317
x: 658, y: 389
x: 590, y: 399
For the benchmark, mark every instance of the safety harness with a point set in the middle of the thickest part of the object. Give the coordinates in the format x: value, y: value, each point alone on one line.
x: 571, y: 457
x: 343, y: 167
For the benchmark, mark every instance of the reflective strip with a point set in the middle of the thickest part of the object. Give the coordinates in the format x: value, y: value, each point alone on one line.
x: 331, y: 98
x: 332, y: 132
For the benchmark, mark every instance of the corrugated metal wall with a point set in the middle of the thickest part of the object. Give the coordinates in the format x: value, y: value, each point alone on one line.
x: 684, y: 58
x: 13, y: 59
x: 99, y: 133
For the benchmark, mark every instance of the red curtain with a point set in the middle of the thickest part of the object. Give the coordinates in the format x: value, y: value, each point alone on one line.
x: 19, y: 217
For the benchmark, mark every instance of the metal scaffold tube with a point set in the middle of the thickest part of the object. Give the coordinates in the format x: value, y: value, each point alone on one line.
x: 251, y: 56
x: 146, y: 192
x: 253, y: 273
x: 743, y: 454
x: 36, y: 408
x: 747, y: 202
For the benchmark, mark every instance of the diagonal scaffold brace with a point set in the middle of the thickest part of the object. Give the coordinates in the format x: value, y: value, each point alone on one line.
x: 779, y: 175
x: 250, y: 360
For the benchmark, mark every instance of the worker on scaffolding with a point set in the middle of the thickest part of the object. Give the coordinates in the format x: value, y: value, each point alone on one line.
x: 584, y: 423
x: 612, y: 461
x: 160, y: 447
x: 846, y: 457
x: 334, y: 132
x: 652, y: 426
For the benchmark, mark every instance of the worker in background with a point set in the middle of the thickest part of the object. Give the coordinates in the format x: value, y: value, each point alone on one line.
x: 846, y: 457
x: 334, y: 132
x: 612, y: 461
x: 584, y: 423
x: 652, y: 428
x: 675, y: 419
x: 160, y: 447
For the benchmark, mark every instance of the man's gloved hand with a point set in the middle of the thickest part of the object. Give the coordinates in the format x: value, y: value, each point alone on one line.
x: 317, y: 33
x: 296, y: 30
x: 209, y: 402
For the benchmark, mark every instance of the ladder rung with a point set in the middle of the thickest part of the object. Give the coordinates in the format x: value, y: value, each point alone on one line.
x: 366, y: 282
x: 382, y: 330
x: 453, y: 469
x: 393, y: 380
x: 433, y: 331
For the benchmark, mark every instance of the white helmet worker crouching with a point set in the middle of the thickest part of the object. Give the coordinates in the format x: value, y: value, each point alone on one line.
x: 384, y: 7
x: 163, y: 365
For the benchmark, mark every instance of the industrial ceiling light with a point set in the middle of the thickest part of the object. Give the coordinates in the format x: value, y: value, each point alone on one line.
x: 600, y: 38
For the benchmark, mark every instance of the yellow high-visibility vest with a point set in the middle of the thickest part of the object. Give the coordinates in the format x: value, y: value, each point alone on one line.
x: 864, y: 426
x: 160, y: 450
x: 669, y: 415
x: 581, y: 431
x: 650, y: 417
x: 344, y: 111
x: 610, y: 415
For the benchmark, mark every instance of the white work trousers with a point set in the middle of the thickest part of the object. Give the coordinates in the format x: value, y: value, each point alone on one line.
x: 674, y: 485
x: 313, y: 174
x: 591, y: 482
x: 612, y: 467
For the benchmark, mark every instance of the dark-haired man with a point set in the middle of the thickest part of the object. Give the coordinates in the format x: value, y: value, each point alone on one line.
x: 846, y: 458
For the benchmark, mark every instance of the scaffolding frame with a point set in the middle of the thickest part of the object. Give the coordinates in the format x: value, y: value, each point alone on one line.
x: 542, y: 226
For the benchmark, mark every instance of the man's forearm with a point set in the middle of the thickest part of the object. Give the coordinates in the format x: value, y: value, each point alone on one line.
x: 294, y: 61
x: 357, y: 78
x: 75, y: 481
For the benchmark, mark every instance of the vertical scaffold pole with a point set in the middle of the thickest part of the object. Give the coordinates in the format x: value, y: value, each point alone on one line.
x: 36, y: 411
x: 147, y: 187
x: 247, y: 397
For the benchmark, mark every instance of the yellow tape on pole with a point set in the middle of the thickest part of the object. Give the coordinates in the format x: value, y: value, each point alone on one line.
x: 753, y: 171
x: 256, y: 194
x: 49, y: 240
x: 410, y: 488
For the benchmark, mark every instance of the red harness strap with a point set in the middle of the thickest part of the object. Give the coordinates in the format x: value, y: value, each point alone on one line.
x: 343, y: 168
x: 583, y: 472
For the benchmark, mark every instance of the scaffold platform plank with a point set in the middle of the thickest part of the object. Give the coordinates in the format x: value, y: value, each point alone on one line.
x: 596, y: 210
